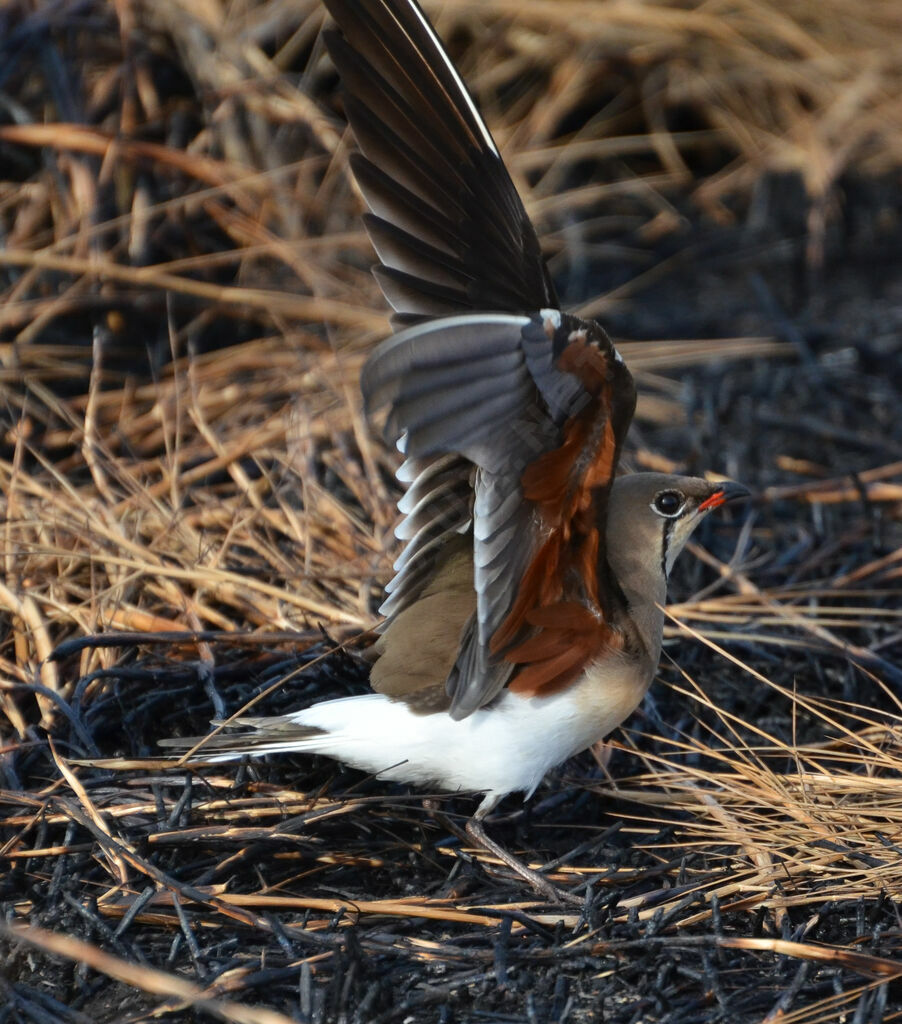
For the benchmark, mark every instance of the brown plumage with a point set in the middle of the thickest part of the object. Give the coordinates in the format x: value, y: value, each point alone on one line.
x: 512, y: 424
x: 532, y: 408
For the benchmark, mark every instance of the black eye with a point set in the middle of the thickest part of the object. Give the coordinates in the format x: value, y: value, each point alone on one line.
x: 668, y: 503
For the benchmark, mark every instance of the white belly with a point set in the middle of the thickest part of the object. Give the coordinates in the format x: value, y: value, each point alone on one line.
x: 498, y: 750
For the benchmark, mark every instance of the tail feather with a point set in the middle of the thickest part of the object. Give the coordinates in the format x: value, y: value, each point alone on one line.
x: 336, y: 728
x: 269, y: 736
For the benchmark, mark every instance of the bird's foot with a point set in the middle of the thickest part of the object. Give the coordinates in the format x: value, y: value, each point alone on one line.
x: 477, y: 833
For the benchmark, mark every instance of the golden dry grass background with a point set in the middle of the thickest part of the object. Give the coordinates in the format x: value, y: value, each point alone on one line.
x: 185, y: 304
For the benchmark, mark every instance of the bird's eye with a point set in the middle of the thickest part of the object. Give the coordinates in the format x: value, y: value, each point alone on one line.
x: 668, y: 503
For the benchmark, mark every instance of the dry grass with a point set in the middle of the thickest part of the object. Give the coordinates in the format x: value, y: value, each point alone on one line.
x: 176, y: 191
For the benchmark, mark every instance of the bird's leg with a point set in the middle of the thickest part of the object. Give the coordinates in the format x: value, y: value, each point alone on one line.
x: 476, y: 832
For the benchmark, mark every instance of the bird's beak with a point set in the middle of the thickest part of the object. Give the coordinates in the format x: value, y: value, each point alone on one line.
x: 729, y: 490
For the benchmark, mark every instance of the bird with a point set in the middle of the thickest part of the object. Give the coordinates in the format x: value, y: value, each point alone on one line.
x: 525, y: 618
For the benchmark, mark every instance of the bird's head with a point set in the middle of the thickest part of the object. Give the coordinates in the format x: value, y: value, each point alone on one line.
x: 652, y: 515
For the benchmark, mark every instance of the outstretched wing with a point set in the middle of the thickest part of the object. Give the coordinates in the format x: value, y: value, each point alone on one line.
x: 511, y: 421
x: 538, y: 407
x: 447, y: 223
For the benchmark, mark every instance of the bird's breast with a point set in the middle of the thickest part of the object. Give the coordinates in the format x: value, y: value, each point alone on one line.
x: 609, y: 691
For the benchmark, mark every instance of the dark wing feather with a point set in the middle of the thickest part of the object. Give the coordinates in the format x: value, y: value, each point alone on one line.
x: 539, y: 425
x: 511, y: 423
x: 448, y: 225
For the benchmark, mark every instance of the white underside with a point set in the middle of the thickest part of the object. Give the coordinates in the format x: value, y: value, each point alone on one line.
x: 506, y: 748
